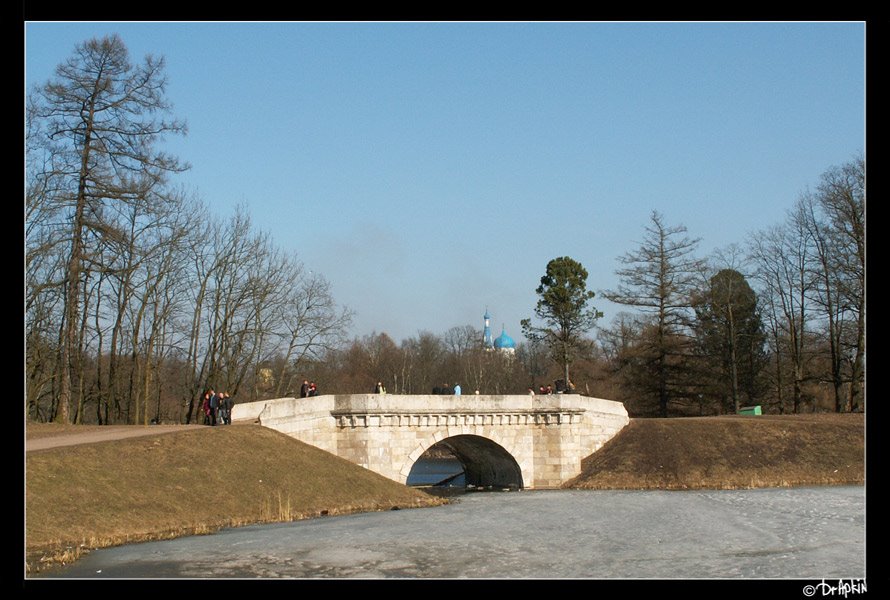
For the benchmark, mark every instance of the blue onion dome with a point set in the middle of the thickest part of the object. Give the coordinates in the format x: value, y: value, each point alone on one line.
x: 504, y: 341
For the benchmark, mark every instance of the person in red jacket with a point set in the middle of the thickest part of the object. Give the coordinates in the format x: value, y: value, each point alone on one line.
x: 205, y: 406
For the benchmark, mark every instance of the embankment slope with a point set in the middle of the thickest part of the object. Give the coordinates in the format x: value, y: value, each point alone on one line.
x: 730, y: 452
x: 195, y: 481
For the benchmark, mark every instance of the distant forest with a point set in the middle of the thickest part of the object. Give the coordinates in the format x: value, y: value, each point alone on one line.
x: 137, y: 299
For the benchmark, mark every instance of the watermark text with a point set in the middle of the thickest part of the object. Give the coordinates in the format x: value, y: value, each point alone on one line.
x: 843, y: 588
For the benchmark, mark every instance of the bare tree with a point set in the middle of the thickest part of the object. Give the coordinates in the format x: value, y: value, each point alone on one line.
x: 424, y: 356
x: 827, y: 293
x: 100, y: 113
x: 202, y: 264
x: 780, y: 256
x: 127, y: 280
x: 156, y: 306
x: 532, y: 356
x: 311, y: 323
x: 463, y: 344
x: 841, y: 198
x: 622, y: 349
x: 44, y: 270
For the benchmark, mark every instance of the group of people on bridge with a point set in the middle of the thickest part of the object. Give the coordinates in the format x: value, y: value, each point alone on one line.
x: 308, y: 389
x: 561, y: 388
x: 447, y: 390
x: 217, y: 408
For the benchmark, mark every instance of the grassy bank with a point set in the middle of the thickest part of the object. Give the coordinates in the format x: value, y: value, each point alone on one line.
x: 730, y: 452
x: 197, y: 481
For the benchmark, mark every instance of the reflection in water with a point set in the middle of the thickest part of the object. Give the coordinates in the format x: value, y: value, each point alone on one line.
x: 468, y: 462
x: 438, y: 472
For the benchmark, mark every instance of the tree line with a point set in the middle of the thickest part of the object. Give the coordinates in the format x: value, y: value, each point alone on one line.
x: 137, y: 298
x: 778, y: 322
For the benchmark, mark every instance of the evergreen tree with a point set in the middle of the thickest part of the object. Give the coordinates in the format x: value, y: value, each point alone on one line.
x: 563, y: 307
x: 659, y: 279
x: 730, y: 336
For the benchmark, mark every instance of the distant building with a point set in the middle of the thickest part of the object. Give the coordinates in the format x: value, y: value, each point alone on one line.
x: 503, y: 343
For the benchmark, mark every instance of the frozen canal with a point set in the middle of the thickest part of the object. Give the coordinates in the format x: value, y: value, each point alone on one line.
x: 766, y: 533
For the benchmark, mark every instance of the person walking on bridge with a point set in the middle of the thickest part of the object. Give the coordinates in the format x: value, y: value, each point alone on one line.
x: 457, y: 389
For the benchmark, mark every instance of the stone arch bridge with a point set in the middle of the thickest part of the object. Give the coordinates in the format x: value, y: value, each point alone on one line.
x: 525, y: 441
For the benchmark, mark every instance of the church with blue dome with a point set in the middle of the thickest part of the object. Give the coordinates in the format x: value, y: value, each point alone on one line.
x: 503, y: 342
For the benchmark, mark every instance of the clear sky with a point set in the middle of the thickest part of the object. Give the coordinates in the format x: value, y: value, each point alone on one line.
x: 430, y: 170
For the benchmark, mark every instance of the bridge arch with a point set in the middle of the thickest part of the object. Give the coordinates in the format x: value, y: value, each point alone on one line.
x: 485, y: 462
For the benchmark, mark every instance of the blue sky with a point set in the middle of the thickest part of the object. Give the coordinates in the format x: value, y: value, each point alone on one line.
x: 431, y: 170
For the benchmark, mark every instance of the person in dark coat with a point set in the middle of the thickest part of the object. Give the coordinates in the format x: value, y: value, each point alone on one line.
x: 214, y: 408
x: 229, y: 403
x: 313, y: 389
x: 304, y: 389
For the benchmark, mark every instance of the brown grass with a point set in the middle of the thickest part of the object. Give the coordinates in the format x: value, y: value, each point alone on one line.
x: 193, y: 482
x: 50, y: 430
x: 730, y: 452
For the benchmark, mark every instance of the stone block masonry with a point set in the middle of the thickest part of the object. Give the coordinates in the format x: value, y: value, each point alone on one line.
x: 544, y: 437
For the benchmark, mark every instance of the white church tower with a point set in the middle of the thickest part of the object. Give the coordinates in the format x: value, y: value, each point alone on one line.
x: 486, y: 333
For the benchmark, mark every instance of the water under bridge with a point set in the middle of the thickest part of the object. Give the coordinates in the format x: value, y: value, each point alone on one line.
x: 517, y: 441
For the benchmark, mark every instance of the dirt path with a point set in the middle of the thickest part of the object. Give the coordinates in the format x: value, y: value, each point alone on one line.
x: 44, y: 436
